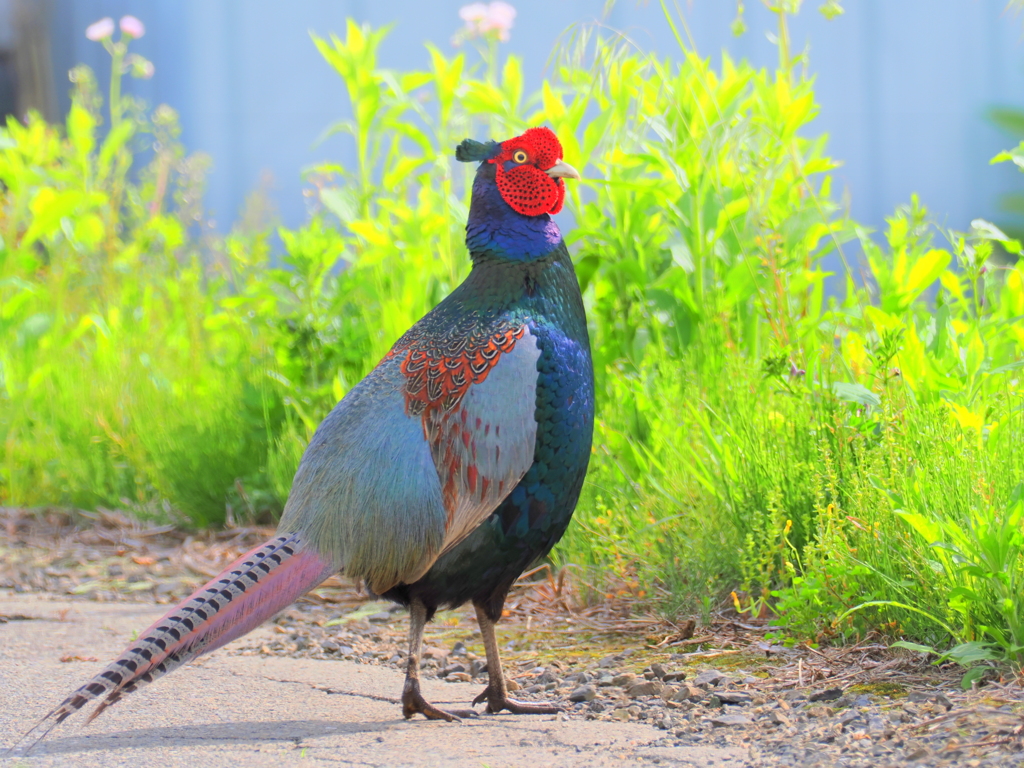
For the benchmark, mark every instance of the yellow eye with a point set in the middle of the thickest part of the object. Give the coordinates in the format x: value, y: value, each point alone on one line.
x: 519, y: 156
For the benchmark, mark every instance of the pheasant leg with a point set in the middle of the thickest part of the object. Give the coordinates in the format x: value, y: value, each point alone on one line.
x: 412, y: 699
x: 496, y: 693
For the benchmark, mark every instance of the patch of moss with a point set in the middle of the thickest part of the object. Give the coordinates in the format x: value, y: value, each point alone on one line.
x: 893, y: 690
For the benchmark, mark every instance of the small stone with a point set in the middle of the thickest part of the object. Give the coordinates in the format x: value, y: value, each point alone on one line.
x: 608, y: 661
x: 729, y: 721
x: 779, y: 718
x: 647, y: 688
x: 622, y: 714
x: 688, y: 693
x: 708, y: 678
x: 580, y: 677
x: 623, y: 680
x: 606, y: 680
x: 830, y: 694
x: 820, y: 712
x: 659, y: 671
x: 458, y: 677
x: 733, y: 697
x: 921, y: 697
x: 848, y: 717
x: 533, y: 689
x: 877, y: 724
x: 330, y: 646
x: 451, y: 668
x: 862, y: 701
x: 918, y: 754
x: 584, y: 693
x: 673, y: 677
x: 380, y: 618
x: 459, y: 649
x: 512, y: 685
x: 597, y: 706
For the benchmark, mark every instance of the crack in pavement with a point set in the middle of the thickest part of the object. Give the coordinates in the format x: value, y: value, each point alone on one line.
x: 335, y: 691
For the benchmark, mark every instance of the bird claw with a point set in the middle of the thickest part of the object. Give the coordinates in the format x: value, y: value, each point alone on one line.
x: 497, y: 702
x: 413, y: 703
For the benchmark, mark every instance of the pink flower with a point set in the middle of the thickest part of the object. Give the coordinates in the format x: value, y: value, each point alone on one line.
x: 473, y: 13
x: 493, y: 19
x: 499, y: 17
x: 100, y: 30
x: 132, y: 27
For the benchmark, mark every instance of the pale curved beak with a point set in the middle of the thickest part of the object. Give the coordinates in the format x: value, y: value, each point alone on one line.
x: 562, y: 170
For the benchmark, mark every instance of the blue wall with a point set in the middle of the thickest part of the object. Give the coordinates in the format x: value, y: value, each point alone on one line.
x: 903, y: 86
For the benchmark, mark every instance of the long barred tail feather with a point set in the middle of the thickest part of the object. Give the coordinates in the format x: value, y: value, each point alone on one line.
x: 243, y: 596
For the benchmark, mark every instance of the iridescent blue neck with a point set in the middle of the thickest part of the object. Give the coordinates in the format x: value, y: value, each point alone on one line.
x: 495, y: 231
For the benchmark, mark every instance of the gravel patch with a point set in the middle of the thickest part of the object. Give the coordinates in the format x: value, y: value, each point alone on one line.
x: 929, y: 723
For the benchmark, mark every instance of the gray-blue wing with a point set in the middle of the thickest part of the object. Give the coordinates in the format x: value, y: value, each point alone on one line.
x: 416, y: 456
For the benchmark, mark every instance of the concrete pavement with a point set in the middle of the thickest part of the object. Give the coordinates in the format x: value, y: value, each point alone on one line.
x: 253, y: 711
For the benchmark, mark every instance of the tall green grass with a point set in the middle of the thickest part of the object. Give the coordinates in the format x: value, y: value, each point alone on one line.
x: 847, y: 461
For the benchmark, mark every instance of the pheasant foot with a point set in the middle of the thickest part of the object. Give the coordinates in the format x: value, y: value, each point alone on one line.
x: 413, y: 703
x: 496, y: 692
x: 499, y: 700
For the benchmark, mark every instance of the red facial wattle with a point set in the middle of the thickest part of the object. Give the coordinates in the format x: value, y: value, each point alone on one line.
x: 521, y: 173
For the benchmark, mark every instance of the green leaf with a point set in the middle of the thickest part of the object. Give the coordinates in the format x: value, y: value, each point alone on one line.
x: 340, y: 202
x: 968, y: 680
x: 855, y: 393
x: 512, y: 82
x: 926, y: 270
x: 115, y: 140
x: 1009, y: 119
x: 681, y: 254
x: 989, y: 231
x: 1015, y: 155
x: 50, y: 206
x: 929, y: 529
x: 80, y: 130
x: 968, y: 653
x: 913, y: 647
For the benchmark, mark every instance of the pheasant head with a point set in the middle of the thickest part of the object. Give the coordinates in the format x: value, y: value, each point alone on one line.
x: 528, y: 170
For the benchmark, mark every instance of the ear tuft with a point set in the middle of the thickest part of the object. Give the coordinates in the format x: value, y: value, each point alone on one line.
x: 470, y: 151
